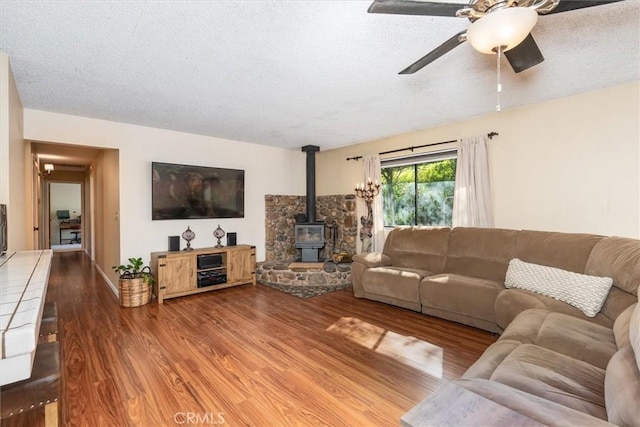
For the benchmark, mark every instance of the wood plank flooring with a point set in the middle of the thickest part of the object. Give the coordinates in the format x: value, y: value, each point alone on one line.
x: 245, y: 356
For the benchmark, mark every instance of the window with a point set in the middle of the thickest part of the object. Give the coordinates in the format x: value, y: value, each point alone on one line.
x: 418, y: 190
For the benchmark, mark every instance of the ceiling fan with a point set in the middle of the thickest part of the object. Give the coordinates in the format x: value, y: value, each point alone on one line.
x: 496, y: 25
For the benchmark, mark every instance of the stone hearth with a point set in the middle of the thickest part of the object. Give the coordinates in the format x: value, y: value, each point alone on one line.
x: 304, y: 282
x: 280, y: 222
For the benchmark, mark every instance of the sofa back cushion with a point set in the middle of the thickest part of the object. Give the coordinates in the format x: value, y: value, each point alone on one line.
x: 481, y: 252
x: 617, y: 302
x: 618, y: 258
x: 424, y: 248
x: 568, y: 251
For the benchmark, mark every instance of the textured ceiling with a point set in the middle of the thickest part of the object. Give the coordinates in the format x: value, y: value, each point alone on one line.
x: 292, y: 73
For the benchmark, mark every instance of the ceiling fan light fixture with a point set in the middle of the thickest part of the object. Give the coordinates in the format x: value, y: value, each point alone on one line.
x: 506, y: 27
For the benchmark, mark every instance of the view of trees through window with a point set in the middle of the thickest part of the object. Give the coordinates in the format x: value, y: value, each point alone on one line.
x: 419, y: 194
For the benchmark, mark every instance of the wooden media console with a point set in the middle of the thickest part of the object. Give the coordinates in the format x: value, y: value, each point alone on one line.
x: 201, y: 270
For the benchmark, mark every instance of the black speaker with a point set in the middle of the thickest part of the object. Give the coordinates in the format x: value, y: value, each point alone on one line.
x: 232, y: 239
x: 174, y: 243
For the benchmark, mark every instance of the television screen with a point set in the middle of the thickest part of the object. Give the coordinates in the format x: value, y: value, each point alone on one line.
x: 186, y: 192
x: 4, y: 229
x: 64, y: 214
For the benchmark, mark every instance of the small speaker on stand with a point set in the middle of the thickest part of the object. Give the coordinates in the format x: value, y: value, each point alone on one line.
x: 232, y: 239
x: 174, y: 243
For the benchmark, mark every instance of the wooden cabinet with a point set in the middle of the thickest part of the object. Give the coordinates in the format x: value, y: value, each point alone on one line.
x: 177, y: 273
x: 241, y: 266
x: 185, y: 273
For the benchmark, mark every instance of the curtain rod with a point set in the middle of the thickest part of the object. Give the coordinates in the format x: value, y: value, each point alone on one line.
x: 490, y: 135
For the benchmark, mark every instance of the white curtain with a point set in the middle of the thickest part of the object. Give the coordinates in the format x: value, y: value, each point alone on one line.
x: 472, y: 202
x: 372, y: 171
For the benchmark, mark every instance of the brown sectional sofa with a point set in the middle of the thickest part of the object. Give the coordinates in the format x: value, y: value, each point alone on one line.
x: 583, y: 367
x: 552, y: 362
x: 458, y: 274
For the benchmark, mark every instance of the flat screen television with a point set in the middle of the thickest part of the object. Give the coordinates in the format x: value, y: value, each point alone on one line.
x: 4, y: 229
x: 191, y: 192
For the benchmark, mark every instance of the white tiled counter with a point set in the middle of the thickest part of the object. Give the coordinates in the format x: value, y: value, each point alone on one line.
x: 23, y: 287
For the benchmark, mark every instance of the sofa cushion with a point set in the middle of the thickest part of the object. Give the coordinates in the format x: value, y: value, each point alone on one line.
x: 555, y: 377
x: 512, y: 302
x: 418, y: 247
x: 573, y: 337
x: 568, y: 251
x: 480, y: 252
x: 463, y: 295
x: 618, y: 258
x: 399, y: 283
x: 491, y: 359
x: 621, y: 327
x: 622, y: 389
x: 580, y: 290
x: 622, y: 382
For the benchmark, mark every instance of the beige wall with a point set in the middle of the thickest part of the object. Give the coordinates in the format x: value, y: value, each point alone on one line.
x: 14, y: 176
x: 569, y: 165
x: 268, y: 170
x: 107, y: 212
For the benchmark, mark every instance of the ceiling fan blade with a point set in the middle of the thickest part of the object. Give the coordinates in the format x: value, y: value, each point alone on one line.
x: 415, y: 7
x: 566, y: 5
x: 435, y: 54
x: 525, y: 55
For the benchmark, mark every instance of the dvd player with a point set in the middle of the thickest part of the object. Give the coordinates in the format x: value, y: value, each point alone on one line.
x: 210, y: 278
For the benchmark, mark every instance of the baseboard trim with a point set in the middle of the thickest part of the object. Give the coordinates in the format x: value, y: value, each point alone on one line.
x: 106, y: 279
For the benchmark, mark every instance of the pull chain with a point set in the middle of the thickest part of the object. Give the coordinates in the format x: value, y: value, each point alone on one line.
x: 499, y: 85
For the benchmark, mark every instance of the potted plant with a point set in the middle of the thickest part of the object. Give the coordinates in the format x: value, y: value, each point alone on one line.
x: 134, y: 284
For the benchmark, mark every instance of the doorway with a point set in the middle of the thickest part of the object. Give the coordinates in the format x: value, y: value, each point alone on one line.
x: 65, y: 216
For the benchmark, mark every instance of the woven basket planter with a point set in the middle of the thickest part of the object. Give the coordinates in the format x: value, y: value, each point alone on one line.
x: 134, y: 292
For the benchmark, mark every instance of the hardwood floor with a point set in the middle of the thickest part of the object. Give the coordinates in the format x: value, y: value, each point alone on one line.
x: 249, y: 356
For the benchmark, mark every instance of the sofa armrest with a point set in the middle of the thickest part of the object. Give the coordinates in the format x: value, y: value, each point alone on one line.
x: 373, y: 259
x: 362, y: 262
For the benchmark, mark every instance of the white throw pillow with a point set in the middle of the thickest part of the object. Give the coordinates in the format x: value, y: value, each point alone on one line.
x: 587, y: 293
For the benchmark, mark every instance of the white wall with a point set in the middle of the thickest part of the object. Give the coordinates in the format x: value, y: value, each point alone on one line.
x: 570, y: 165
x: 268, y: 170
x: 15, y: 171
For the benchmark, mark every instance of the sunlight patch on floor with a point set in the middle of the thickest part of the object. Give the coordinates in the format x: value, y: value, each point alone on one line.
x: 411, y: 351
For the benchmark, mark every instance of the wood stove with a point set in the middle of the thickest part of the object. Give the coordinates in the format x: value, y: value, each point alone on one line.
x: 310, y: 239
x: 309, y: 235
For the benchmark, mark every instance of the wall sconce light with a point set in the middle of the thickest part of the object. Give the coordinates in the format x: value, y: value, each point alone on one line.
x: 48, y: 168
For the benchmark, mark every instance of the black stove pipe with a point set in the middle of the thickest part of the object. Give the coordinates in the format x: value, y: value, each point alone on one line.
x: 311, y: 151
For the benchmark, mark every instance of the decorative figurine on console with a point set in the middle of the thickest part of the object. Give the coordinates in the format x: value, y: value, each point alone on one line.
x: 188, y: 235
x: 218, y: 233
